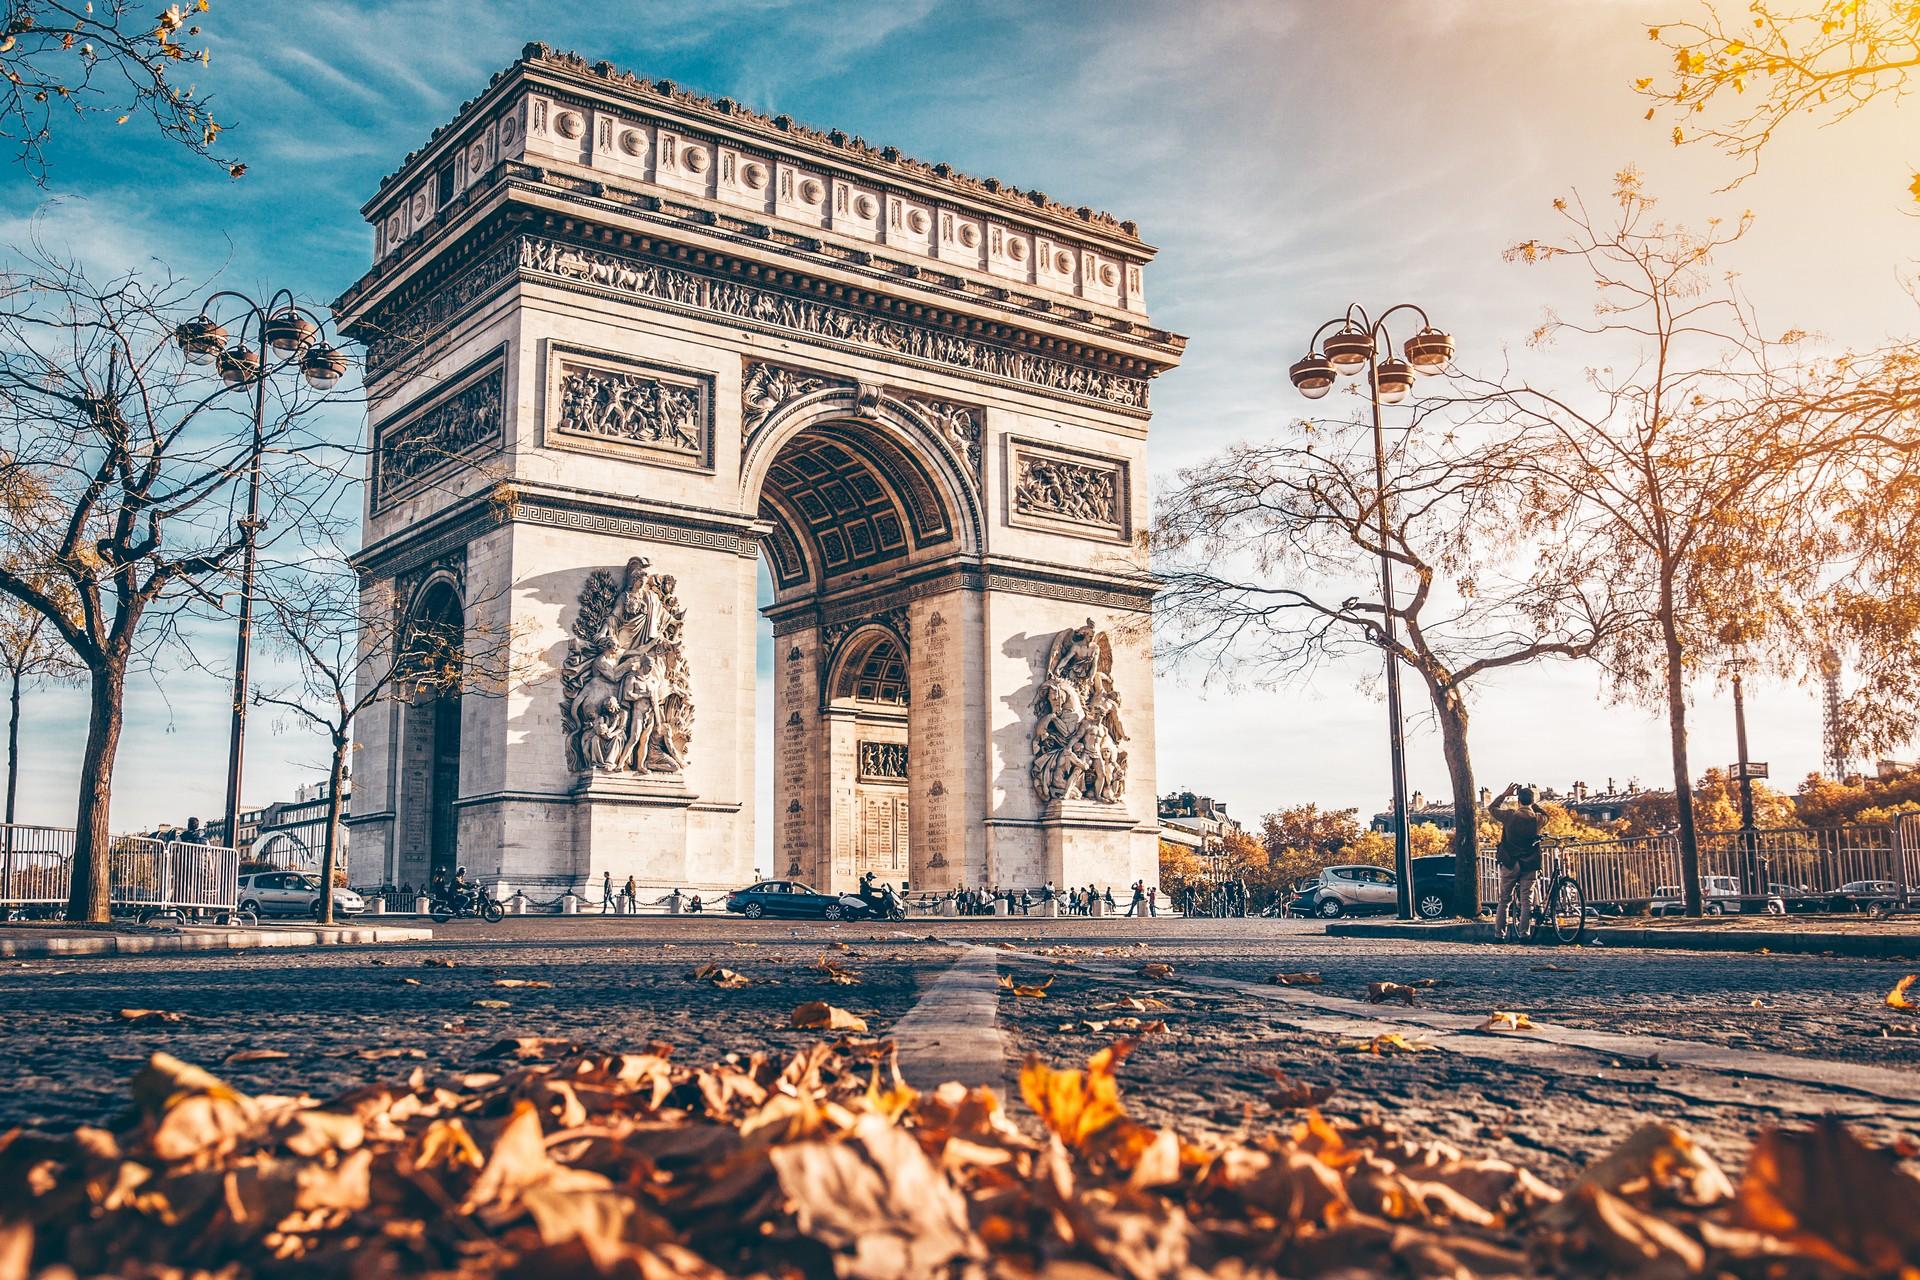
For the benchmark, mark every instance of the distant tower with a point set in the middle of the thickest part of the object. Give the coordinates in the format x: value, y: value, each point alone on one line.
x: 1833, y: 729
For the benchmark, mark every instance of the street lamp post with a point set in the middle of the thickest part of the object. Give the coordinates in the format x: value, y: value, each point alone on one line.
x: 281, y: 326
x: 1749, y: 839
x: 1357, y: 343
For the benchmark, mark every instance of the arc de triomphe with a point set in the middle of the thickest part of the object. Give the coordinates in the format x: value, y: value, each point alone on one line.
x: 622, y: 342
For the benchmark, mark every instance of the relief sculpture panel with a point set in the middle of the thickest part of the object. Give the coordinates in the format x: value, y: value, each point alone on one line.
x: 1076, y: 726
x: 1069, y: 492
x: 626, y: 705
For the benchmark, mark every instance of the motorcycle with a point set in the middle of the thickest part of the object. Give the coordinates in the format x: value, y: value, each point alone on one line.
x: 471, y: 903
x: 884, y: 905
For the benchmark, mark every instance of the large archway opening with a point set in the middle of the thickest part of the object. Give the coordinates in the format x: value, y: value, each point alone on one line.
x: 853, y: 509
x: 428, y: 846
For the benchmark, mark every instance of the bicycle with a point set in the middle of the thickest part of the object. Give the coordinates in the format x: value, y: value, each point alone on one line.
x: 1558, y: 907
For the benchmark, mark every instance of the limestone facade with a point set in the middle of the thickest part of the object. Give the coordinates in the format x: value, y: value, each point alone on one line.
x: 609, y: 320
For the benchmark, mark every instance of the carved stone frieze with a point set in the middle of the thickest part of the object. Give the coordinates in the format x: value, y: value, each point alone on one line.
x: 627, y: 406
x: 764, y: 388
x: 884, y: 761
x: 1050, y: 486
x: 458, y: 424
x: 625, y: 702
x: 768, y: 309
x: 1076, y: 722
x: 963, y: 425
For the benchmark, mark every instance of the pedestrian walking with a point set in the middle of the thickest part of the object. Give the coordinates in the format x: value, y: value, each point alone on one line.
x: 632, y: 895
x: 606, y: 892
x: 1518, y: 856
x: 1153, y: 900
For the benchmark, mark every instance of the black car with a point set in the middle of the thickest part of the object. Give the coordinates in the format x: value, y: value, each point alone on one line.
x: 1433, y: 878
x: 784, y: 898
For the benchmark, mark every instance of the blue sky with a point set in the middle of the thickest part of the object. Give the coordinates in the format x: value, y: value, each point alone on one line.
x: 1288, y: 157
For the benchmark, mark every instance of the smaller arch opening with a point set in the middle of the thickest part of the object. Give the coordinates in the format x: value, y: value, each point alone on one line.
x: 432, y: 662
x: 871, y: 672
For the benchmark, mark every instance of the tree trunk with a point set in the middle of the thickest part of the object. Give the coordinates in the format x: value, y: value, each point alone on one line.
x: 13, y: 747
x: 1682, y: 771
x: 1451, y: 709
x: 328, y: 854
x: 88, y: 898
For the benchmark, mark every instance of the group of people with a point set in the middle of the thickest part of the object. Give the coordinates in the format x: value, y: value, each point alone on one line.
x: 1229, y: 898
x: 980, y: 902
x: 1079, y: 902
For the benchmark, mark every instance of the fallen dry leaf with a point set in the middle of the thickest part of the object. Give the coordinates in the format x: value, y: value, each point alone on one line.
x: 521, y: 982
x: 1383, y: 992
x: 1384, y: 1043
x: 1023, y: 989
x: 1297, y: 979
x: 719, y: 977
x: 254, y: 1055
x: 390, y: 1051
x: 490, y: 1004
x: 1553, y: 968
x: 1107, y: 1026
x: 408, y: 982
x: 818, y: 1015
x: 532, y: 1047
x: 836, y: 974
x: 138, y: 1017
x: 1897, y: 998
x: 438, y: 962
x: 1156, y: 969
x: 1135, y: 1004
x: 1502, y: 1020
x: 1288, y: 1092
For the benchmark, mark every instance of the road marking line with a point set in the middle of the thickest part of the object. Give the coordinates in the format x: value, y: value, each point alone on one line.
x: 952, y: 1033
x: 1462, y: 1033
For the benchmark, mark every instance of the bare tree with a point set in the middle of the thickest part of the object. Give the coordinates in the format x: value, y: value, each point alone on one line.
x: 1682, y: 471
x: 103, y: 57
x: 145, y: 464
x: 1266, y: 552
x: 33, y: 656
x: 354, y: 648
x: 1738, y: 74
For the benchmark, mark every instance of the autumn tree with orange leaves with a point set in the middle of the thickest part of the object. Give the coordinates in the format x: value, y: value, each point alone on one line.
x: 1738, y: 74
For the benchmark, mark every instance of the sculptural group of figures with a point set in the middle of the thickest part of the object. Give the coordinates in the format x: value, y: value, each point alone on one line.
x: 1076, y: 730
x: 626, y: 702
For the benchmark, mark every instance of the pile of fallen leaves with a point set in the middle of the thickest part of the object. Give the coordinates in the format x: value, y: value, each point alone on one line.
x: 558, y: 1163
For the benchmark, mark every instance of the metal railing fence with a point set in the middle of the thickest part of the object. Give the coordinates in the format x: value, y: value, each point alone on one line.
x: 1804, y: 863
x: 36, y: 866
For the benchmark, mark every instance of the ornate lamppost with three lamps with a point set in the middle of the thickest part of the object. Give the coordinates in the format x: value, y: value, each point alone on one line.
x: 1358, y: 342
x: 292, y: 333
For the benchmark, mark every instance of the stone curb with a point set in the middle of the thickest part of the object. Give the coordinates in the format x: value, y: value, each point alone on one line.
x: 1779, y: 942
x: 148, y: 944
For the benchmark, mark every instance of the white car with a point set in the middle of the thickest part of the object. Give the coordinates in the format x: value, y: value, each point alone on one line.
x: 293, y: 893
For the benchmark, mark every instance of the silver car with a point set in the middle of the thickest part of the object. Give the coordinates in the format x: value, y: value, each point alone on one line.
x: 1351, y: 890
x: 292, y: 893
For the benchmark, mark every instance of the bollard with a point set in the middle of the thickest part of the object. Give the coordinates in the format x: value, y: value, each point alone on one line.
x: 1001, y: 907
x: 949, y: 907
x: 1050, y: 909
x: 420, y: 905
x: 569, y: 905
x: 376, y: 906
x: 1096, y: 908
x: 518, y: 904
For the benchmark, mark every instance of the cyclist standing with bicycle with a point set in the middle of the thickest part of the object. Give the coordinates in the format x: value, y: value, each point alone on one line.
x: 1518, y: 856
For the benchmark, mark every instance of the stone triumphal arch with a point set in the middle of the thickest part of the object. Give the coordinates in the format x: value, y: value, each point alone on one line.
x: 623, y: 342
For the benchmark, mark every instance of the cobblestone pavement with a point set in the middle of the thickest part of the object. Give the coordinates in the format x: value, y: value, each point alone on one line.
x: 1725, y: 1043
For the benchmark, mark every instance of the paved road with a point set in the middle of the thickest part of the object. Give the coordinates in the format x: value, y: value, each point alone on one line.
x: 1728, y: 1043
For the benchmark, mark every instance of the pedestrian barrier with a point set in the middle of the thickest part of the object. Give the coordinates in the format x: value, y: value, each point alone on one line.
x: 1796, y: 868
x: 143, y: 875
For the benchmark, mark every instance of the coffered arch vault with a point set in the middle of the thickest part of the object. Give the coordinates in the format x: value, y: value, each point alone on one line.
x: 852, y: 483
